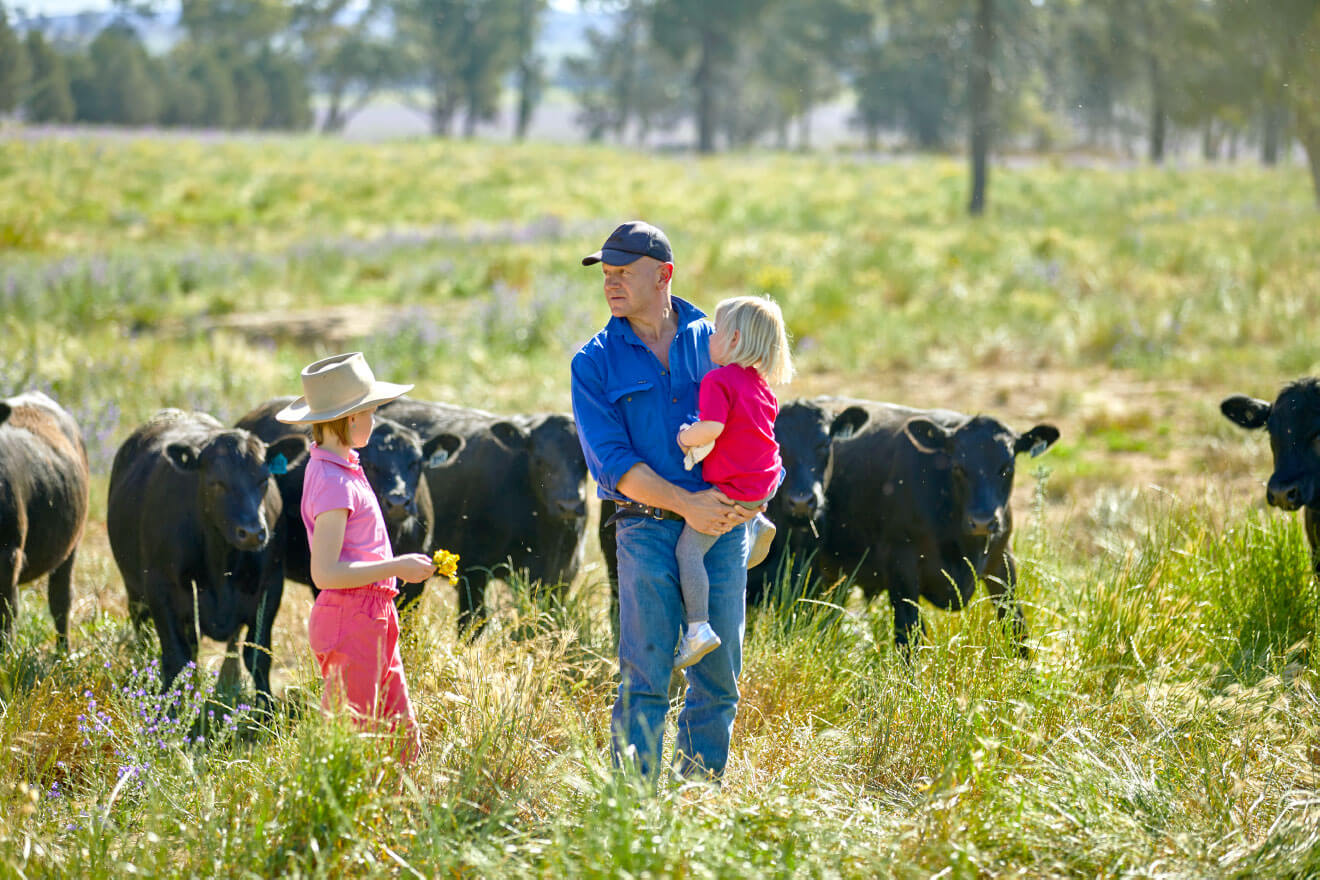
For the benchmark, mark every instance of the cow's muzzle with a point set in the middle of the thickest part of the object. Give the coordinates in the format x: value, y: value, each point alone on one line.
x: 250, y: 537
x: 570, y: 508
x: 984, y: 525
x: 800, y: 506
x: 1285, y: 496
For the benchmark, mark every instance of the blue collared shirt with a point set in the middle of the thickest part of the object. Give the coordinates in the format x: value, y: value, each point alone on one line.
x: 629, y: 408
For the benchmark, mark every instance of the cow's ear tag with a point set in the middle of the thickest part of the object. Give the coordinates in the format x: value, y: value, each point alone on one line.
x: 437, y: 459
x: 1038, y: 447
x: 278, y: 465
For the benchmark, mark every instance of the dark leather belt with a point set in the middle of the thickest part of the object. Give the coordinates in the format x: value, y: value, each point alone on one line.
x: 636, y: 508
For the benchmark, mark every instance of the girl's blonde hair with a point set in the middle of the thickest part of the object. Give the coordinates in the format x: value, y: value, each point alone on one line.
x: 337, y: 427
x: 762, y: 338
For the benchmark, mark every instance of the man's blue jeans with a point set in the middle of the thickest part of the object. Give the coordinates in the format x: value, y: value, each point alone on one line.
x: 650, y: 620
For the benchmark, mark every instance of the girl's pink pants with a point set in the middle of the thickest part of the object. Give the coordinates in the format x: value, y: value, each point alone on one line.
x: 355, y: 636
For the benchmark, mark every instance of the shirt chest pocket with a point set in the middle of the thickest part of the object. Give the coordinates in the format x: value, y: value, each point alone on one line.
x: 623, y: 395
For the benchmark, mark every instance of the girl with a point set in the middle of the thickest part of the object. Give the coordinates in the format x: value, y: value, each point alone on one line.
x: 353, y: 627
x: 737, y: 410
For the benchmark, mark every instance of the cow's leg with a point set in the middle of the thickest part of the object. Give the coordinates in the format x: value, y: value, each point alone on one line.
x: 472, y: 603
x: 904, y: 593
x: 228, y: 681
x: 178, y: 643
x: 59, y: 594
x: 256, y: 651
x: 10, y: 565
x: 1001, y: 583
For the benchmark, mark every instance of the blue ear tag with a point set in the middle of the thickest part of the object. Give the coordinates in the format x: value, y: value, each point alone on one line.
x: 437, y: 459
x: 1038, y: 447
x: 278, y: 465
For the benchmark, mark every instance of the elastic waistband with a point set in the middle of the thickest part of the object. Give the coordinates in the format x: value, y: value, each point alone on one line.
x: 364, y: 592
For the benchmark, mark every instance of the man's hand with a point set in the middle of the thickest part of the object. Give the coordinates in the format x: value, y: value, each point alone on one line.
x: 712, y: 512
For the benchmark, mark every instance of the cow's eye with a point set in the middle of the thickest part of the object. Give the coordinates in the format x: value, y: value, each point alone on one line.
x: 1006, y: 471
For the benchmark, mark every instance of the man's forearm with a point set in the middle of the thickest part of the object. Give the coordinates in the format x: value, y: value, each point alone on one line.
x: 643, y: 484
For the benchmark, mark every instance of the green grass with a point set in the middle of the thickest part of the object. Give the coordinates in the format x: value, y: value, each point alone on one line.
x: 1167, y: 722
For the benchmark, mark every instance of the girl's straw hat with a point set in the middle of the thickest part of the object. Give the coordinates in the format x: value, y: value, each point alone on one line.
x: 336, y: 387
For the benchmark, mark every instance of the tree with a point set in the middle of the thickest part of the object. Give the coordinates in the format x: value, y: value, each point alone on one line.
x: 529, y: 75
x: 460, y: 50
x: 13, y: 65
x: 624, y: 79
x: 703, y: 36
x: 348, y: 52
x: 48, y: 98
x: 978, y: 91
x: 1285, y: 34
x: 117, y: 85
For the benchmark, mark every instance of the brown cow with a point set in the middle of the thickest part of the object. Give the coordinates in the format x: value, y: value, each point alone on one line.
x: 43, y: 503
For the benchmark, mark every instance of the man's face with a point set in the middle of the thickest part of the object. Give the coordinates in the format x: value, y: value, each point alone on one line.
x: 634, y: 290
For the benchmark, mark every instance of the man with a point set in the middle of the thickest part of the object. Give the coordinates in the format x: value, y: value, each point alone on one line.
x: 634, y: 386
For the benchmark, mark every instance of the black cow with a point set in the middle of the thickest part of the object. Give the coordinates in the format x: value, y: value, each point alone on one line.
x: 806, y: 431
x: 194, y: 524
x: 43, y: 504
x: 1293, y: 422
x: 919, y: 507
x: 515, y: 499
x: 392, y: 460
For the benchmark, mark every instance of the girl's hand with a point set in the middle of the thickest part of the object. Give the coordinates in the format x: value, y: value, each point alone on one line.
x: 413, y: 567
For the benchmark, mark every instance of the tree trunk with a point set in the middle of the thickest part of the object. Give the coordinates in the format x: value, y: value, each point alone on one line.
x: 334, y: 120
x: 705, y: 84
x: 1158, y: 118
x: 1308, y: 132
x: 1269, y: 141
x: 978, y: 91
x: 1209, y: 143
x: 525, y: 86
x: 804, y: 128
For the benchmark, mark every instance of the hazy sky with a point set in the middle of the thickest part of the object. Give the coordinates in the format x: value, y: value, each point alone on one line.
x: 65, y: 7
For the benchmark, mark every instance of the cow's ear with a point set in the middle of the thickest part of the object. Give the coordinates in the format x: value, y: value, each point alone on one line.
x: 1037, y: 440
x: 926, y: 435
x: 848, y: 422
x: 283, y: 454
x: 1246, y: 411
x: 440, y: 450
x: 5, y: 410
x: 509, y: 434
x: 184, y: 456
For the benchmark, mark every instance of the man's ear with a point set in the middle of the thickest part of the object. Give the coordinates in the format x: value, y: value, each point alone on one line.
x: 666, y: 272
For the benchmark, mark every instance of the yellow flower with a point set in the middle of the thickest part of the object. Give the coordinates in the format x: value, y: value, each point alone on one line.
x: 446, y: 564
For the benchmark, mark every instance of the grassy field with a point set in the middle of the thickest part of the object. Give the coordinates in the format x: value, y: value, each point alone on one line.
x: 1167, y: 725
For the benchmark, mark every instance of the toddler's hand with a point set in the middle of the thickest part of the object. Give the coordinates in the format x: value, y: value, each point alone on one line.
x: 413, y: 567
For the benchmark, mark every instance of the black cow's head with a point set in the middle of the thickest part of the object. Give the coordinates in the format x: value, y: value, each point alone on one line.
x: 233, y: 476
x: 556, y: 468
x: 806, y: 433
x: 980, y: 455
x: 393, y: 461
x: 1293, y: 421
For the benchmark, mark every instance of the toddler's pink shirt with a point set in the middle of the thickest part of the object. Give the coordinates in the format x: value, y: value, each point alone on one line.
x: 745, y: 462
x: 330, y: 483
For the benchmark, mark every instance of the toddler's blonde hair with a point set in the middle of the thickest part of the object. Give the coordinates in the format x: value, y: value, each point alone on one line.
x: 762, y: 338
x: 336, y: 427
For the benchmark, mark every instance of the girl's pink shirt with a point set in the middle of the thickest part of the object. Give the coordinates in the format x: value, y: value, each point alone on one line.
x: 331, y: 483
x: 745, y: 462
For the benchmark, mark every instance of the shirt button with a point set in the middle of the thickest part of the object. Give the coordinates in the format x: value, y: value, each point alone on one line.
x: 675, y: 400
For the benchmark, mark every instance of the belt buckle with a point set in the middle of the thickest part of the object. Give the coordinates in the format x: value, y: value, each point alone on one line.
x: 655, y: 513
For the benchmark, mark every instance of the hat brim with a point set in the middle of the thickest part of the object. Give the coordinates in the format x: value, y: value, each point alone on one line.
x: 611, y: 257
x: 298, y: 412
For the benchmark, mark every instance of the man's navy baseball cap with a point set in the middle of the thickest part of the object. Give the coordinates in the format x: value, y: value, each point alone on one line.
x: 632, y: 240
